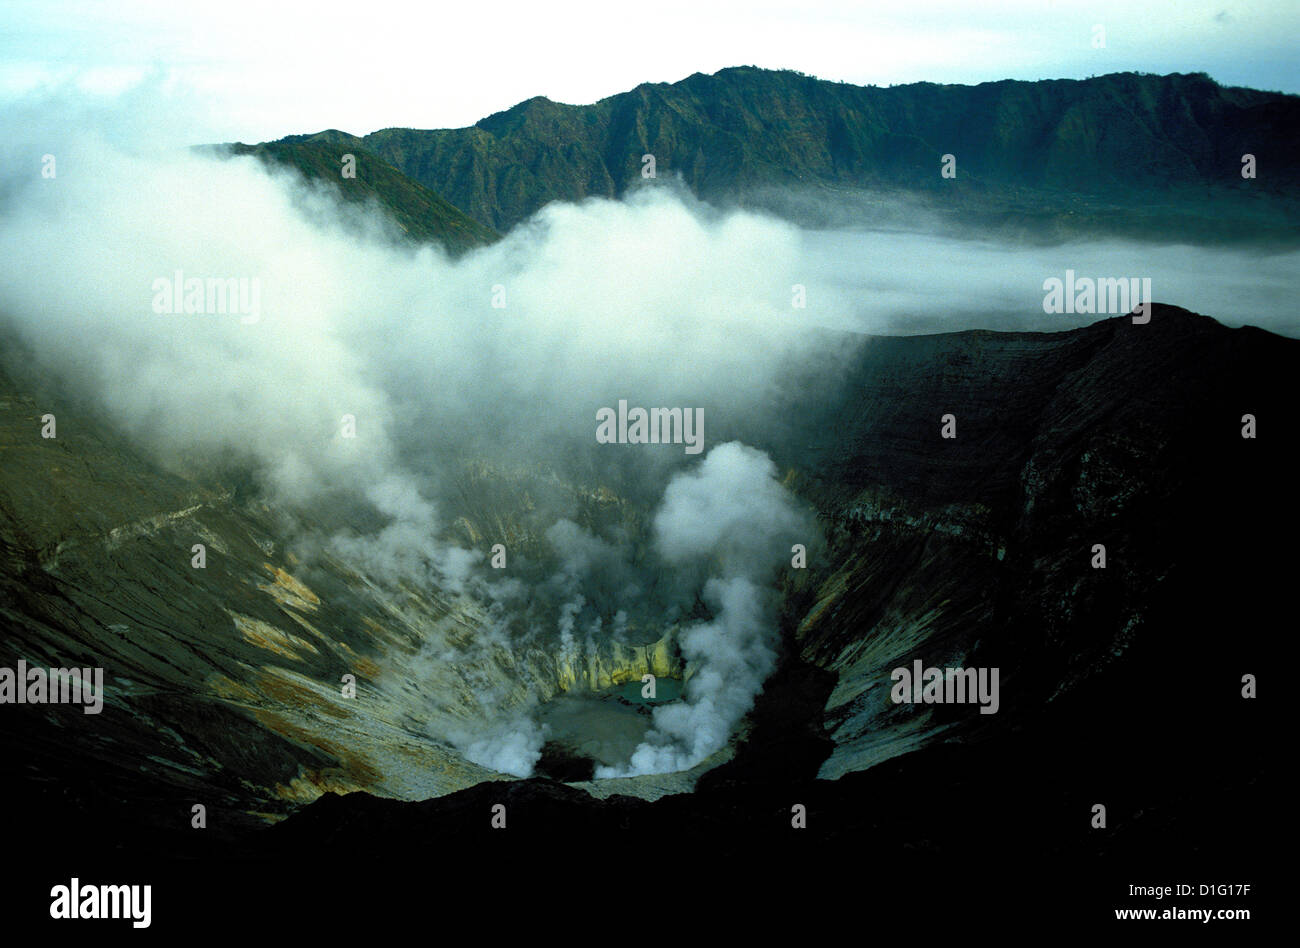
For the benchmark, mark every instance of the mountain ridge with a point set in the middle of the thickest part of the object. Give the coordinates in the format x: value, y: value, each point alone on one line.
x: 1121, y: 150
x: 421, y: 214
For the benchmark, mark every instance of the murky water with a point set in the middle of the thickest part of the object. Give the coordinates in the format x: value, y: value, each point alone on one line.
x: 605, y: 726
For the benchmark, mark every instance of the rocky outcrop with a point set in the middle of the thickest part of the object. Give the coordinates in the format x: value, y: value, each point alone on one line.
x: 980, y: 549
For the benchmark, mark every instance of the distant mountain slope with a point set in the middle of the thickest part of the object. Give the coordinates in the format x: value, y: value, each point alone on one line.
x: 420, y: 212
x: 1125, y: 151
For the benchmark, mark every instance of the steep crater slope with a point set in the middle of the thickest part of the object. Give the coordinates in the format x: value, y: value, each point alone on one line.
x: 980, y: 549
x: 1122, y: 686
x: 225, y: 684
x: 975, y: 550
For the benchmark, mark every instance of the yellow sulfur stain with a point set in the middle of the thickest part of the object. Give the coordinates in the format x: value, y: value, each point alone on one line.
x: 264, y: 635
x: 288, y: 591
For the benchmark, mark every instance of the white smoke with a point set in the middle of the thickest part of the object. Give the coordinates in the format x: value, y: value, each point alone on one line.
x: 724, y: 527
x: 732, y: 517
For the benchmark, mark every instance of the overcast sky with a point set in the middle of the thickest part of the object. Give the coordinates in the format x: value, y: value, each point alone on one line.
x: 251, y: 71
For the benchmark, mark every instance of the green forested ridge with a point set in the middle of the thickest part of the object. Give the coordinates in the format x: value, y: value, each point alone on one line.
x: 1124, y: 151
x: 421, y: 213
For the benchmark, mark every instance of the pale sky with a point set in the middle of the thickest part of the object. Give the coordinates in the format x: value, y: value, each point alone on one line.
x: 251, y: 71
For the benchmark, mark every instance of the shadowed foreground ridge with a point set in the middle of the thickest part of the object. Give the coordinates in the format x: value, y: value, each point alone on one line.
x: 1119, y: 686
